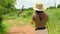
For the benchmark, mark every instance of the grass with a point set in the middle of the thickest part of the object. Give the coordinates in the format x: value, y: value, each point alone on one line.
x: 54, y: 21
x: 53, y: 24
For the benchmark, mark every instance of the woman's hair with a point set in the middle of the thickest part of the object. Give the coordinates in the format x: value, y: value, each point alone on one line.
x: 39, y: 13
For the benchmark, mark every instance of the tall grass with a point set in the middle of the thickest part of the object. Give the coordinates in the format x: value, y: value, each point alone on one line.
x: 54, y: 21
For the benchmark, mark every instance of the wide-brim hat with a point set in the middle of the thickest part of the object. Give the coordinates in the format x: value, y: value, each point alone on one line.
x: 39, y: 7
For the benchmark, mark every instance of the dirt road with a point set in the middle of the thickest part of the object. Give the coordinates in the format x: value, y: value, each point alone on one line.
x: 26, y: 29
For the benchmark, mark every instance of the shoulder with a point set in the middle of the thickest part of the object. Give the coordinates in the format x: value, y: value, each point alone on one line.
x: 46, y: 14
x: 34, y: 15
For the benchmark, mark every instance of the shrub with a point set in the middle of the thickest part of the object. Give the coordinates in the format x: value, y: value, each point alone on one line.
x: 1, y: 28
x: 58, y: 6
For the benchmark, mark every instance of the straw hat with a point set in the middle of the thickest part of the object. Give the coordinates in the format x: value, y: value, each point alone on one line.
x: 38, y: 6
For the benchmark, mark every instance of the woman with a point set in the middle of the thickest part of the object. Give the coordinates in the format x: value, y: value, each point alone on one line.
x: 40, y: 18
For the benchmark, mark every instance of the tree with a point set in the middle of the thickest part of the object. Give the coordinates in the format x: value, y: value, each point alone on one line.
x: 6, y: 6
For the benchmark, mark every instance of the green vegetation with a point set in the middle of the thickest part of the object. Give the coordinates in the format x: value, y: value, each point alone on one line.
x: 9, y: 12
x: 54, y: 21
x: 58, y: 6
x: 6, y: 7
x: 52, y: 24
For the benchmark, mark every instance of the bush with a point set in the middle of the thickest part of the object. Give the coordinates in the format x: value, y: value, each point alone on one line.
x: 58, y: 6
x: 6, y: 6
x: 1, y: 28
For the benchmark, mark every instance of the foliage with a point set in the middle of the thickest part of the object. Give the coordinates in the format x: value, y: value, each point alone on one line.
x: 58, y: 6
x: 51, y: 7
x: 54, y: 21
x: 1, y: 28
x: 53, y: 24
x: 6, y: 6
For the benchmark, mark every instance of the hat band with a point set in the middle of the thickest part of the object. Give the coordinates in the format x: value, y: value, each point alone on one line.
x: 39, y: 9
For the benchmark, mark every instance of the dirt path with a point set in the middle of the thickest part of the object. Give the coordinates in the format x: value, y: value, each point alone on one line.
x: 26, y: 29
x: 21, y: 30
